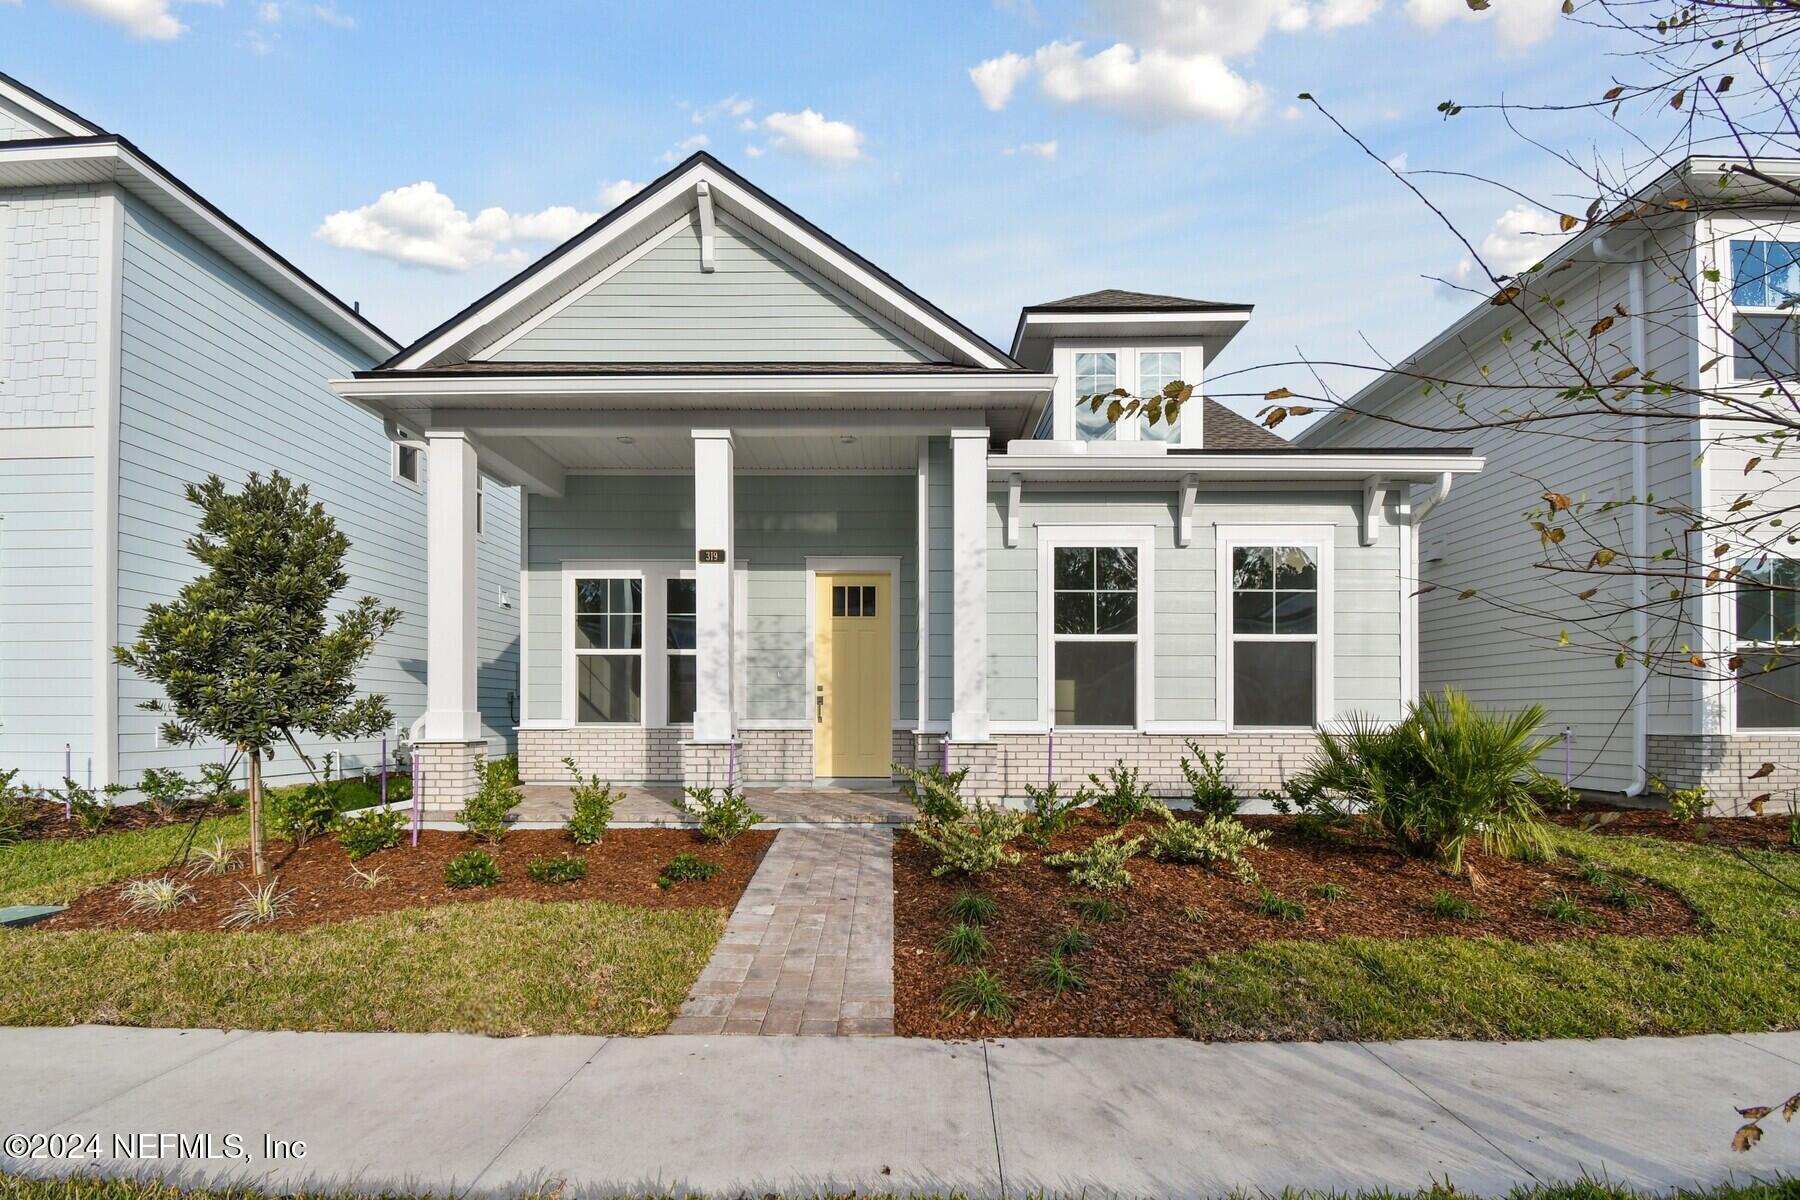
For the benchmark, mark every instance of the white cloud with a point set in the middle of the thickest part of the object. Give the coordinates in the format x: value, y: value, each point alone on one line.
x: 996, y: 78
x: 1170, y: 59
x: 1520, y: 238
x: 419, y: 225
x: 808, y: 132
x: 754, y: 151
x: 731, y: 106
x: 685, y: 147
x: 1398, y: 163
x: 332, y: 16
x: 260, y: 43
x: 149, y: 19
x: 269, y: 12
x: 1040, y: 149
x: 618, y: 192
x: 1517, y: 23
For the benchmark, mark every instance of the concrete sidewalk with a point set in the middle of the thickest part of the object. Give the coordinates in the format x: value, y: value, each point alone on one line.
x: 805, y: 1115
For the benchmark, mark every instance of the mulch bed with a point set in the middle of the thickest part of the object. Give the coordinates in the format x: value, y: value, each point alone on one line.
x: 1131, y: 960
x: 46, y: 823
x: 1771, y: 832
x: 621, y: 869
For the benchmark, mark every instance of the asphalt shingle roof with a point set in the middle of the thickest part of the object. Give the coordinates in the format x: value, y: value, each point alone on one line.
x: 1117, y: 300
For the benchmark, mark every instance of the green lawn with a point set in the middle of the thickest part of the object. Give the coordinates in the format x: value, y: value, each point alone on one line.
x: 57, y: 872
x: 497, y: 967
x: 1738, y: 976
x: 90, y: 1188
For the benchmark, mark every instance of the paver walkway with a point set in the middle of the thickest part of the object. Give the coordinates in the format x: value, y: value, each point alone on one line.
x: 457, y: 1115
x: 810, y: 947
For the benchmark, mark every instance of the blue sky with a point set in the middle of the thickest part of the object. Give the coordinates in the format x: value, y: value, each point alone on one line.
x: 1179, y: 163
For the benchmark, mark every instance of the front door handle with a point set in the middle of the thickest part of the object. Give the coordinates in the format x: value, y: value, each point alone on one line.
x: 819, y: 702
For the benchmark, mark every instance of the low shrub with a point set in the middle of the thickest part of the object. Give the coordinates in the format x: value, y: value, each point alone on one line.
x: 963, y: 944
x: 375, y: 830
x: 978, y: 993
x: 1100, y: 867
x: 564, y: 868
x: 164, y: 790
x: 300, y: 814
x: 1331, y: 893
x: 591, y: 807
x: 1053, y: 813
x: 1446, y: 773
x: 1270, y: 904
x: 1685, y: 804
x: 724, y: 812
x: 686, y: 867
x: 1450, y: 906
x: 1121, y: 798
x: 971, y: 908
x: 972, y: 847
x: 1206, y: 781
x: 1099, y: 910
x: 156, y: 896
x: 1054, y: 974
x: 485, y: 813
x: 14, y: 815
x: 472, y: 869
x: 259, y: 905
x: 90, y: 810
x: 1208, y: 840
x: 934, y: 792
x: 1070, y: 941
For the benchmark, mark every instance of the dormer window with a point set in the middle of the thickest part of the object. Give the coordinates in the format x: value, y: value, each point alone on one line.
x: 1156, y: 369
x: 1096, y: 373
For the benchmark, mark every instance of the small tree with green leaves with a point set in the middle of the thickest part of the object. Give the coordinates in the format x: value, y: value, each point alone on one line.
x: 247, y: 653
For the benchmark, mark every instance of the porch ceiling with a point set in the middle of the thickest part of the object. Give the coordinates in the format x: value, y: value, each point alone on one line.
x: 672, y: 451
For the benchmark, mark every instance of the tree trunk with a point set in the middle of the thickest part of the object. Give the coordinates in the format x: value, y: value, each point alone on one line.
x: 256, y: 821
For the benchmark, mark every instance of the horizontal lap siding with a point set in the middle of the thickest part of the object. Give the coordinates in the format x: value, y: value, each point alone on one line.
x: 753, y: 307
x: 217, y: 376
x: 781, y: 521
x: 46, y: 616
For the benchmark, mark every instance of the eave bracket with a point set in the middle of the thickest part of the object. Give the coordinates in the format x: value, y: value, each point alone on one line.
x: 703, y: 199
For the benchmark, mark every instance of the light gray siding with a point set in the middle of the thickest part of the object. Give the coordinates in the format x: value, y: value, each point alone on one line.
x: 1185, y: 654
x: 497, y: 630
x: 17, y: 126
x: 781, y: 521
x: 51, y: 244
x: 217, y: 376
x: 46, y: 617
x: 757, y: 306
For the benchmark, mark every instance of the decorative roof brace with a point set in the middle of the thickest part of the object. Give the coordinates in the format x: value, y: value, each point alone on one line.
x: 703, y: 196
x: 1375, y: 490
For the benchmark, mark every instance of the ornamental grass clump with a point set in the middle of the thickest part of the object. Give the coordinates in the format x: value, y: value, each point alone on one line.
x: 1056, y: 975
x: 591, y: 806
x: 1208, y: 840
x: 1446, y: 774
x: 1450, y: 907
x: 963, y: 944
x: 971, y: 908
x: 1100, y: 867
x: 156, y: 896
x: 972, y: 847
x: 259, y: 906
x: 978, y: 993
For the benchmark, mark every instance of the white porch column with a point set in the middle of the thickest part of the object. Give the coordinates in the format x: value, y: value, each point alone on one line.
x: 969, y: 586
x: 452, y: 710
x: 715, y: 553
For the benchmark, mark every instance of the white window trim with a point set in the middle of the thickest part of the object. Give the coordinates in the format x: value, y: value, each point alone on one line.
x: 1141, y: 538
x: 654, y: 574
x: 1320, y: 540
x: 418, y: 484
x: 1733, y: 310
x: 1741, y: 645
x: 888, y: 565
x: 1193, y: 369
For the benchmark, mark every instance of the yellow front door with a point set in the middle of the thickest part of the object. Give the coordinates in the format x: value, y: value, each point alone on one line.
x: 852, y: 686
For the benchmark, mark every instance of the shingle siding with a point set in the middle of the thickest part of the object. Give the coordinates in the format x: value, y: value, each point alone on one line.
x: 51, y: 243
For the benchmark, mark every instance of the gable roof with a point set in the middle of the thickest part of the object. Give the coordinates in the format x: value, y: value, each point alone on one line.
x: 1118, y: 300
x: 649, y: 212
x: 45, y: 112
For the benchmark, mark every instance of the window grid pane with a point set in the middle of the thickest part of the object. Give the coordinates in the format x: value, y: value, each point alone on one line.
x: 1156, y: 370
x: 1095, y: 374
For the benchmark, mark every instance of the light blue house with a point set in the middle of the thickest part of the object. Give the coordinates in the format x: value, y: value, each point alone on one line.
x: 787, y: 521
x: 146, y: 339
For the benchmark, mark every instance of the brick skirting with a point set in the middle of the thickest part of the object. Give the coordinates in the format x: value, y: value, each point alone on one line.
x: 1723, y: 763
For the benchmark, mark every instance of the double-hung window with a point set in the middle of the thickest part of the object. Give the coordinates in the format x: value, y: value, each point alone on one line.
x: 680, y: 619
x: 1768, y: 643
x: 1765, y: 288
x: 1094, y: 635
x: 1274, y: 635
x: 1157, y: 369
x: 609, y: 651
x: 1096, y: 374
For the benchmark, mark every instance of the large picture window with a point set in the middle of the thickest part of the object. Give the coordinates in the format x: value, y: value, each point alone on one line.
x: 1094, y: 633
x: 1765, y: 287
x: 609, y: 651
x: 1274, y: 635
x: 1768, y: 645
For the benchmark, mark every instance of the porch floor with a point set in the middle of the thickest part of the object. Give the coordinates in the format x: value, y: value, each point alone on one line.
x: 790, y: 804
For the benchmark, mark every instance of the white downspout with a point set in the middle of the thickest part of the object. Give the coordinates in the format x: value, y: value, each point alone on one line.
x: 1640, y: 539
x: 1439, y: 492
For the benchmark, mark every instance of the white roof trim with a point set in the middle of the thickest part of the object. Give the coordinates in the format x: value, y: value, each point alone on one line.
x: 60, y: 122
x: 649, y: 209
x: 113, y: 161
x: 1350, y: 467
x: 386, y: 386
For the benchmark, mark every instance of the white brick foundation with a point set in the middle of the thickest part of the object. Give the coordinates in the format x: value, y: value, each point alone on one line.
x: 1723, y: 763
x: 446, y: 775
x: 1002, y: 767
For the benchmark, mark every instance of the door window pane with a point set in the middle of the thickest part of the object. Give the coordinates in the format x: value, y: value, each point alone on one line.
x: 609, y: 688
x: 682, y: 597
x: 1273, y: 683
x: 1095, y: 374
x: 683, y: 688
x: 1096, y: 683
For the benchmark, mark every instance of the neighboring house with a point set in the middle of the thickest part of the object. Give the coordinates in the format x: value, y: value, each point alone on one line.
x: 1678, y: 285
x: 785, y: 521
x: 147, y: 340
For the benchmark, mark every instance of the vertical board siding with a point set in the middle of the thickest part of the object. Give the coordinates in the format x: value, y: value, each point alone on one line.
x: 51, y: 240
x: 781, y: 521
x: 46, y: 617
x: 219, y: 377
x: 1492, y: 645
x: 1185, y: 653
x: 754, y: 307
